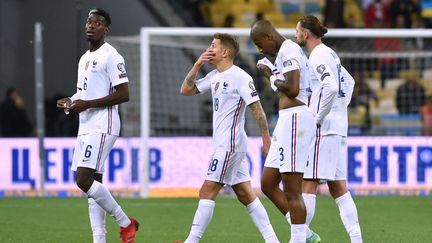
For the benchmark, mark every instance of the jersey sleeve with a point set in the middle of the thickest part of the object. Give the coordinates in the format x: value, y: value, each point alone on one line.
x: 290, y: 59
x: 116, y: 69
x: 246, y: 89
x: 204, y: 84
x: 329, y: 88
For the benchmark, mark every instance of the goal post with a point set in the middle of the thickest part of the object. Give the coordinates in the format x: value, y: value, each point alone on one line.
x: 160, y: 57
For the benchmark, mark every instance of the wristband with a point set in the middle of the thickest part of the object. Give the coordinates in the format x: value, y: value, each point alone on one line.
x: 272, y: 79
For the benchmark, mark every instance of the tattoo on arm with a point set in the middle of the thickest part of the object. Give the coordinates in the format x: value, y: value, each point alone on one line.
x: 190, y: 80
x: 260, y: 117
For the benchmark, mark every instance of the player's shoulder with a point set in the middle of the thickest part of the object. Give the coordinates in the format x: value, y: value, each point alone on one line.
x: 321, y: 49
x: 240, y: 75
x: 289, y: 46
x: 110, y: 50
x: 321, y: 53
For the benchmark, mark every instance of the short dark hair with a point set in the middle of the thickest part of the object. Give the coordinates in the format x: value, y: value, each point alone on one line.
x: 228, y: 41
x: 312, y: 23
x: 102, y: 13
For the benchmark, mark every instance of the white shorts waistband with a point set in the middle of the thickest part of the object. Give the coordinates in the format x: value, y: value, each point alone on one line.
x: 293, y: 110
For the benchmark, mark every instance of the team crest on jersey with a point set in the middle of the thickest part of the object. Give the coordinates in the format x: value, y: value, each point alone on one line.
x: 287, y: 63
x: 87, y: 64
x: 216, y: 86
x: 225, y: 84
x: 94, y: 63
x: 320, y: 69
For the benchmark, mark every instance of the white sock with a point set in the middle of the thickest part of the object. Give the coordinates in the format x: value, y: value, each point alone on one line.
x: 310, y: 201
x: 203, y: 215
x: 260, y: 218
x: 97, y: 221
x: 106, y: 201
x: 348, y: 214
x: 288, y: 218
x: 308, y: 230
x: 298, y: 233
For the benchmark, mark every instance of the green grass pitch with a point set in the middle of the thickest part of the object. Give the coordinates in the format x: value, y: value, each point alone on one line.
x: 382, y: 219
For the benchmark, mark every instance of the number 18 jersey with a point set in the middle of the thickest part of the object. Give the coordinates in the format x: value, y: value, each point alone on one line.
x: 232, y: 90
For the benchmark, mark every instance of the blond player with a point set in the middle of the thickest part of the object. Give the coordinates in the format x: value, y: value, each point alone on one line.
x: 102, y: 85
x: 232, y: 90
x: 332, y: 88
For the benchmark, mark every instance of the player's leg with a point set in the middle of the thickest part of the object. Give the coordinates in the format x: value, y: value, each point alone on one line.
x: 347, y: 209
x: 93, y: 153
x: 271, y: 179
x: 256, y: 210
x: 309, y: 189
x: 97, y: 217
x: 204, y: 213
x: 338, y: 190
x: 292, y: 184
x: 215, y: 180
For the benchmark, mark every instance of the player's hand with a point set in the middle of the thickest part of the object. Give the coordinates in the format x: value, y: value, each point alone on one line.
x: 266, y: 145
x: 205, y: 57
x: 78, y: 106
x: 64, y: 103
x: 264, y: 70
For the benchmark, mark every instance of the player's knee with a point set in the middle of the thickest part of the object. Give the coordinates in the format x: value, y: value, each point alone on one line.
x: 266, y: 188
x: 84, y: 183
x: 337, y: 190
x: 292, y: 195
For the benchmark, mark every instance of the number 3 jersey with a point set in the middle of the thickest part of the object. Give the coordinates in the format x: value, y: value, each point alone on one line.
x: 232, y: 90
x: 332, y: 88
x: 98, y: 73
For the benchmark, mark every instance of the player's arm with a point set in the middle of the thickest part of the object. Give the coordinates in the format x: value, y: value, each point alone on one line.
x: 261, y: 120
x: 328, y: 92
x: 290, y: 86
x: 287, y: 84
x: 120, y: 95
x: 64, y: 103
x: 188, y: 86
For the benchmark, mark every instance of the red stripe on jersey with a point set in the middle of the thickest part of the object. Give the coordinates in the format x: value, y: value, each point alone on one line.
x: 225, y: 166
x: 317, y: 152
x: 101, y: 148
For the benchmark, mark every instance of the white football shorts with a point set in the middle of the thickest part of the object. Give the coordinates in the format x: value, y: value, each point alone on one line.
x: 228, y: 168
x: 91, y: 150
x: 328, y: 160
x: 291, y: 140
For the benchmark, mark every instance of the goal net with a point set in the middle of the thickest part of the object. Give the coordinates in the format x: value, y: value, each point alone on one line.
x: 381, y: 61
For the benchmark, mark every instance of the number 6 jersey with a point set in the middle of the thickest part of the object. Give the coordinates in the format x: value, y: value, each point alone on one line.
x: 98, y: 73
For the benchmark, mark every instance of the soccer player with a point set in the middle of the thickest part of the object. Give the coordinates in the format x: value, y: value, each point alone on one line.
x: 292, y: 136
x: 332, y: 88
x: 102, y: 85
x: 232, y: 90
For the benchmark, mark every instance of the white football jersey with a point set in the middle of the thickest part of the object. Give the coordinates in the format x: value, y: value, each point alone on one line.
x: 291, y: 57
x: 232, y: 90
x: 98, y: 73
x: 332, y: 88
